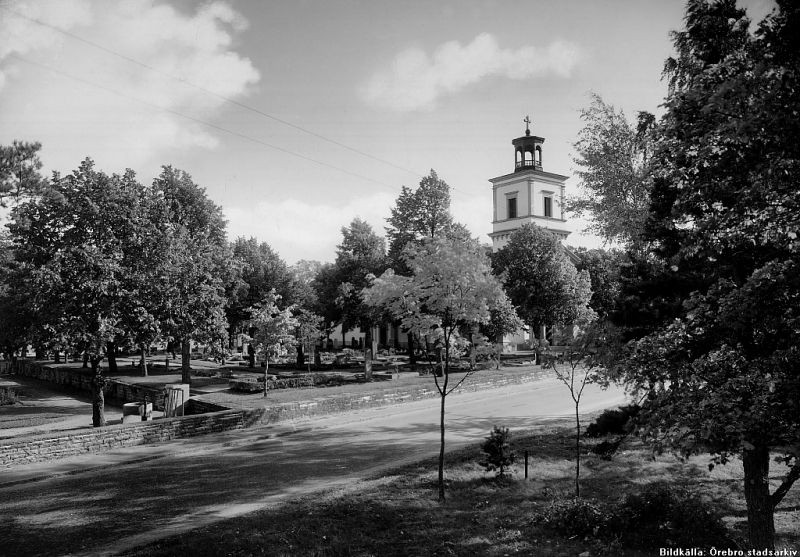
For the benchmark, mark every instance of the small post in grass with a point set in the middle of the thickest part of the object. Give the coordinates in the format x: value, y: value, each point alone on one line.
x: 526, y: 464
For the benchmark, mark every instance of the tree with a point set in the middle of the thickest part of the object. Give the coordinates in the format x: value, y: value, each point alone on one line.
x: 146, y: 252
x: 579, y: 366
x: 498, y: 451
x: 19, y: 172
x: 309, y: 331
x: 16, y: 316
x: 503, y: 320
x: 418, y: 215
x: 304, y: 272
x: 615, y: 180
x: 70, y: 245
x: 326, y: 290
x: 450, y: 292
x: 362, y: 253
x: 261, y: 271
x: 719, y: 369
x: 543, y: 285
x: 274, y: 330
x: 604, y: 269
x: 198, y: 264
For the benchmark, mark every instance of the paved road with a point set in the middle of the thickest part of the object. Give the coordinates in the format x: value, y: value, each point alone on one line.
x: 106, y: 511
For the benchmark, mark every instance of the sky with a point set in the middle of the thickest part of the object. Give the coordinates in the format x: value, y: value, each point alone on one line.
x: 298, y: 116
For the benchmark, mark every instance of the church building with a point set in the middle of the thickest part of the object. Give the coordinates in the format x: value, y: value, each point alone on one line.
x: 529, y: 194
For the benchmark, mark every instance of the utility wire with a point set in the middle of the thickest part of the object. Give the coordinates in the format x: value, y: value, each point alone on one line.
x: 203, y: 89
x: 227, y: 99
x: 17, y: 57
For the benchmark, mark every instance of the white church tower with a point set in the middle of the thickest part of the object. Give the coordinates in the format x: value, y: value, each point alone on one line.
x: 529, y: 194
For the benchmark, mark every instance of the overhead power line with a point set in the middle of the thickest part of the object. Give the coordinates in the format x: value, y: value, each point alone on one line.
x: 207, y: 91
x: 222, y: 97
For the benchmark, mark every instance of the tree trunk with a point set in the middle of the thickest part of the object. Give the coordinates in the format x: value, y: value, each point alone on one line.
x: 251, y: 351
x: 186, y: 369
x: 577, y: 451
x: 368, y: 354
x: 57, y: 356
x: 98, y: 397
x: 144, y: 361
x: 301, y: 359
x: 85, y: 361
x: 266, y: 374
x: 441, y: 449
x: 111, y: 354
x: 39, y: 353
x: 473, y: 353
x: 760, y: 518
x: 412, y: 357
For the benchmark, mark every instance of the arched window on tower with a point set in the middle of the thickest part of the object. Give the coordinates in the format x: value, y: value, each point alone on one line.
x: 528, y: 158
x: 519, y: 159
x: 538, y: 156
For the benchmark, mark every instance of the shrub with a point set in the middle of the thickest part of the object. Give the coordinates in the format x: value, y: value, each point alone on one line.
x: 660, y: 516
x: 498, y: 452
x: 328, y: 380
x: 576, y: 517
x: 616, y: 422
x: 245, y: 385
x: 8, y: 396
x: 292, y: 383
x: 669, y: 516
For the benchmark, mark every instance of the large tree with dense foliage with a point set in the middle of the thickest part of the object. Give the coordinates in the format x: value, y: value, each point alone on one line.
x: 449, y: 294
x: 603, y: 267
x: 361, y: 254
x: 304, y: 273
x: 721, y: 366
x: 538, y: 277
x: 325, y: 286
x: 613, y: 158
x: 198, y: 265
x: 260, y: 270
x: 418, y: 214
x: 72, y: 245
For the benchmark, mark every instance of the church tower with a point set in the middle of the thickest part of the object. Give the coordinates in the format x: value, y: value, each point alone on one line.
x: 529, y: 194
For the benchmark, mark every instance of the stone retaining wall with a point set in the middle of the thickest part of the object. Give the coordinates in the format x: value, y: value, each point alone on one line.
x: 59, y: 445
x: 335, y: 404
x: 205, y: 416
x: 71, y: 378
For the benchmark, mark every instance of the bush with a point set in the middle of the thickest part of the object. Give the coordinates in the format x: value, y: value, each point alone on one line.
x: 616, y: 422
x: 8, y: 396
x: 292, y: 383
x: 328, y: 380
x: 669, y: 516
x: 576, y: 517
x: 660, y: 516
x: 498, y: 452
x: 245, y: 385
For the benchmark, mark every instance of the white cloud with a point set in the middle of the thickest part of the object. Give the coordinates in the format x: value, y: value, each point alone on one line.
x: 416, y: 80
x: 299, y: 230
x: 197, y: 48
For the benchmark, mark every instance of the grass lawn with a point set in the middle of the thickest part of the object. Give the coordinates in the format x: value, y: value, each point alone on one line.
x: 398, y: 514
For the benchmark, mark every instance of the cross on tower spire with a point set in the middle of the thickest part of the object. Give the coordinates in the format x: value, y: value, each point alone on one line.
x: 527, y: 121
